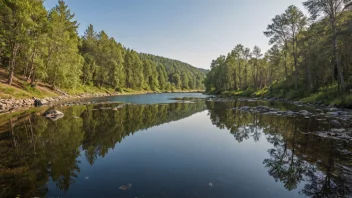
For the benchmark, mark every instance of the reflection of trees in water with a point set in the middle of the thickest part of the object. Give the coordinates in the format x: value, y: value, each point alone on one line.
x: 295, y: 157
x: 35, y: 149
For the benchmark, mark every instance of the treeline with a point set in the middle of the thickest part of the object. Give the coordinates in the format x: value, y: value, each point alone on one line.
x: 306, y: 54
x: 182, y: 75
x: 44, y: 46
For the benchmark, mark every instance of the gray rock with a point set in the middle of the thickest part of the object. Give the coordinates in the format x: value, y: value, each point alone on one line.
x: 304, y: 112
x: 335, y: 123
x: 262, y: 109
x: 54, y: 115
x: 321, y: 119
x: 338, y: 130
x: 297, y: 102
x: 244, y: 108
x: 343, y: 113
x: 319, y: 110
x: 289, y: 113
x: 332, y: 113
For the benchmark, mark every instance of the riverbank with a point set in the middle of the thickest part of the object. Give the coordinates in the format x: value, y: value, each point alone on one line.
x: 337, y: 122
x: 13, y: 104
x: 20, y: 94
x: 327, y: 96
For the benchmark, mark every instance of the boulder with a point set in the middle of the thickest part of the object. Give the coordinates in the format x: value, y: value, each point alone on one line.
x: 3, y: 106
x: 297, y: 102
x: 304, y: 112
x: 333, y: 109
x: 262, y: 109
x: 119, y: 107
x: 289, y: 113
x: 54, y: 115
x: 332, y: 113
x: 338, y: 130
x: 37, y: 103
x: 335, y: 123
x: 319, y: 111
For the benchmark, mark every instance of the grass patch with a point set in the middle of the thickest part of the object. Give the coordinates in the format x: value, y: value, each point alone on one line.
x: 8, y: 91
x: 81, y: 89
x: 240, y: 93
x: 261, y: 92
x: 330, y: 95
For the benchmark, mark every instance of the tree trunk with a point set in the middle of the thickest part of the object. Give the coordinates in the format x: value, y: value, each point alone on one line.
x: 239, y: 75
x: 285, y: 60
x: 245, y: 75
x: 32, y: 65
x: 337, y: 63
x: 33, y: 80
x: 13, y: 134
x: 308, y: 75
x: 235, y: 83
x: 13, y: 62
x: 256, y: 75
x: 295, y: 61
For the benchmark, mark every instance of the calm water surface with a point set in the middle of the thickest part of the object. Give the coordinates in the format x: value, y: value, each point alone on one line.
x: 147, y: 98
x: 202, y: 149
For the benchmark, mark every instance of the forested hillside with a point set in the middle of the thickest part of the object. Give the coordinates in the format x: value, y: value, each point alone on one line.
x: 181, y: 74
x: 44, y: 46
x: 310, y: 56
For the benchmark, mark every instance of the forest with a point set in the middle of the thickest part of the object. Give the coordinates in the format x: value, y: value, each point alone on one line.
x: 44, y: 46
x: 309, y: 57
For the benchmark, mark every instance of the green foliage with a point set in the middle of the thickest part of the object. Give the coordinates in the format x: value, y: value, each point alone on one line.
x: 303, y: 58
x: 45, y: 47
x: 190, y: 77
x: 63, y: 60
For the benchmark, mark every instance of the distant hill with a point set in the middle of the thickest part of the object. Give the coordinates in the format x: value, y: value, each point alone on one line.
x: 178, y: 67
x: 204, y: 71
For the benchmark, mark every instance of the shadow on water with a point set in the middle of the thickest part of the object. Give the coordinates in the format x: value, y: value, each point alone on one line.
x: 35, y: 149
x: 323, y: 165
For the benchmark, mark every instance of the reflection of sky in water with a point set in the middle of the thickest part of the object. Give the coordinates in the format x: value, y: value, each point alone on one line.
x: 180, y: 159
x: 148, y: 98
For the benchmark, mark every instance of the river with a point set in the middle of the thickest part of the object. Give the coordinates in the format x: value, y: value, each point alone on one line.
x: 158, y: 147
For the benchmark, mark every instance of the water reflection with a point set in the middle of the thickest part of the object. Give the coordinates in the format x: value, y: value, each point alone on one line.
x: 324, y: 165
x: 35, y: 150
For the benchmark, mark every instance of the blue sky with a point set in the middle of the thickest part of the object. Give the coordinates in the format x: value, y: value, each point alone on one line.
x: 193, y: 31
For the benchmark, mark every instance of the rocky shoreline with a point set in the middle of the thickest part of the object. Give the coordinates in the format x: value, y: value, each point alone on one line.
x: 339, y: 120
x: 11, y: 105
